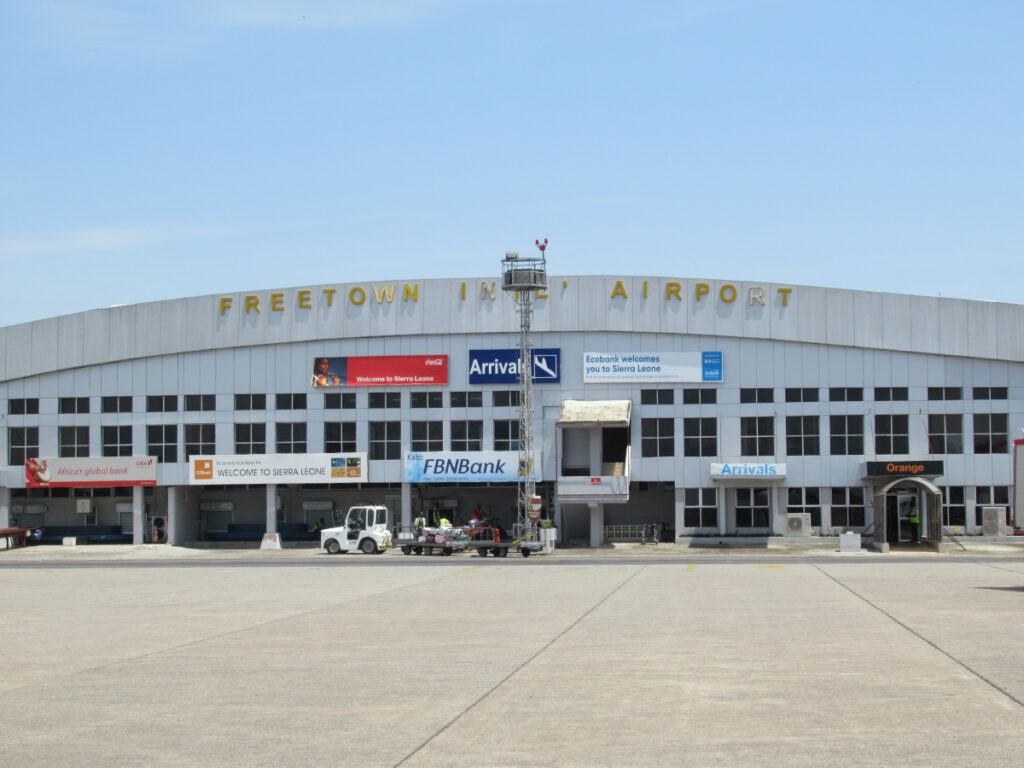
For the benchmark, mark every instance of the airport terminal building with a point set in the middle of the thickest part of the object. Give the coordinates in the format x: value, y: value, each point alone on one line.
x: 708, y: 407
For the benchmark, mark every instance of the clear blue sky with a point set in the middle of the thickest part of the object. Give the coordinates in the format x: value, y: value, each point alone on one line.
x: 153, y: 150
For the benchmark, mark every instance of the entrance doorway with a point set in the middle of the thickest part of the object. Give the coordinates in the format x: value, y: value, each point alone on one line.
x: 903, y: 515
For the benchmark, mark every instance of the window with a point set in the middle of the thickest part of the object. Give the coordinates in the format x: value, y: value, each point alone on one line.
x: 251, y: 403
x: 805, y: 500
x: 385, y: 439
x: 291, y: 437
x: 801, y: 394
x: 340, y: 400
x: 121, y: 404
x: 22, y: 443
x: 892, y: 393
x: 945, y: 393
x: 161, y: 403
x: 700, y: 508
x: 656, y: 397
x: 117, y: 441
x: 752, y: 510
x: 759, y: 395
x: 892, y: 434
x: 847, y: 507
x: 990, y: 433
x: 73, y: 405
x: 23, y: 406
x: 426, y: 400
x: 700, y: 396
x: 200, y: 403
x: 954, y: 508
x: 991, y: 496
x: 427, y: 436
x: 291, y: 401
x: 467, y: 435
x: 802, y: 437
x: 700, y: 436
x: 340, y: 436
x: 250, y: 438
x: 945, y: 433
x: 385, y: 399
x: 990, y: 393
x: 757, y: 436
x: 846, y: 435
x: 162, y: 442
x: 467, y: 399
x: 506, y: 398
x: 506, y: 435
x: 200, y: 440
x: 74, y: 441
x: 657, y: 437
x: 841, y: 394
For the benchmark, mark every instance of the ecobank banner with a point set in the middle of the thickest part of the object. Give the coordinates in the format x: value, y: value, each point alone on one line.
x: 90, y: 472
x: 669, y: 367
x: 276, y: 468
x: 467, y: 467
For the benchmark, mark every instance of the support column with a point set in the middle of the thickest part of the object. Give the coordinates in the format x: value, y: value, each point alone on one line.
x: 596, y: 524
x: 5, y: 507
x: 406, y: 521
x: 721, y: 509
x: 272, y: 508
x: 562, y: 533
x: 138, y: 515
x: 172, y: 514
x: 778, y: 509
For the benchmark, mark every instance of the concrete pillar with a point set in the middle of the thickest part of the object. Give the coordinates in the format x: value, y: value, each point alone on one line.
x: 557, y: 514
x: 595, y: 451
x: 138, y: 515
x: 5, y: 507
x: 172, y: 514
x: 272, y: 508
x: 596, y: 524
x: 721, y: 510
x: 778, y: 518
x: 406, y: 521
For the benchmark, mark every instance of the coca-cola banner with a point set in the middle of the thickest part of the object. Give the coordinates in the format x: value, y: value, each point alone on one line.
x: 381, y: 371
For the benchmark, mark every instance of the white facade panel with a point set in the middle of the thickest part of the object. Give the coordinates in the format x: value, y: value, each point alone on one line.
x: 841, y: 321
x: 983, y: 327
x: 896, y: 321
x: 70, y: 339
x: 869, y: 320
x: 43, y: 349
x: 728, y: 314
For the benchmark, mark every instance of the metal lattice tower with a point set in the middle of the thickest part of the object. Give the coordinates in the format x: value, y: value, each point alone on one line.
x: 522, y: 277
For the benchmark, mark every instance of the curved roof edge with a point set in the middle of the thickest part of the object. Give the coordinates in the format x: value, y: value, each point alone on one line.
x: 637, y: 304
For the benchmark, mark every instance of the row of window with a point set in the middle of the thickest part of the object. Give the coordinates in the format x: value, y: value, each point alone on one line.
x: 753, y: 507
x: 290, y: 437
x: 846, y: 435
x: 813, y: 394
x: 286, y: 401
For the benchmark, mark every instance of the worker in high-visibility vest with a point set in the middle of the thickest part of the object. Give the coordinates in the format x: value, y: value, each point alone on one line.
x: 915, y: 523
x: 419, y: 524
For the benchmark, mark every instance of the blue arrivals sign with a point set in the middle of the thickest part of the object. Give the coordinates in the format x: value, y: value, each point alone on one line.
x: 501, y: 366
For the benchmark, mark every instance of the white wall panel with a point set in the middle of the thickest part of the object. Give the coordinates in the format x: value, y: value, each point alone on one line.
x: 700, y: 313
x: 925, y: 325
x: 70, y: 340
x: 788, y: 315
x: 841, y: 317
x: 149, y: 334
x: 896, y: 314
x: 672, y: 314
x: 983, y: 328
x: 869, y: 314
x: 954, y: 327
x: 1009, y: 332
x: 728, y: 315
x: 757, y: 318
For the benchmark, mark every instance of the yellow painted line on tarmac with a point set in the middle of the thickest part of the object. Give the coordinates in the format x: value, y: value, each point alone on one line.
x: 692, y: 568
x: 470, y: 568
x: 773, y: 567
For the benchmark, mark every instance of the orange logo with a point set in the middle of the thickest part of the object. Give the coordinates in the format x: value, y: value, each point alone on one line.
x: 204, y: 469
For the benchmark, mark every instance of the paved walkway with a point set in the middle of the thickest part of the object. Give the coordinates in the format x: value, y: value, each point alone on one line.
x: 858, y: 661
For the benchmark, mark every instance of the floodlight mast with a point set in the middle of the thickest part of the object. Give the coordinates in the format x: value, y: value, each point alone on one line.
x: 522, y: 277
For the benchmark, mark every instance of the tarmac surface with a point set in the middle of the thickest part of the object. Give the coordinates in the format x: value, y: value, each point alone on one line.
x: 792, y: 655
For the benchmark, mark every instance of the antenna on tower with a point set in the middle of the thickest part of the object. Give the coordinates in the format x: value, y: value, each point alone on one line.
x: 522, y: 277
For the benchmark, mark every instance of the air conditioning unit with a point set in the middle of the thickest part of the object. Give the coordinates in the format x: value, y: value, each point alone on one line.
x: 798, y: 524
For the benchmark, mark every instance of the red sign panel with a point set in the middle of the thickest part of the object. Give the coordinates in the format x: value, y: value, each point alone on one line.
x: 382, y: 371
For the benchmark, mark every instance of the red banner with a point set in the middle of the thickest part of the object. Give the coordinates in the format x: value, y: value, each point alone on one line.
x: 382, y: 371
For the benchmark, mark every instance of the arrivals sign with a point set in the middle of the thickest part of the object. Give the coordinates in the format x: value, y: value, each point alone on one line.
x: 668, y: 367
x: 753, y: 469
x: 273, y: 468
x: 90, y: 472
x: 467, y: 467
x: 501, y: 366
x: 381, y: 371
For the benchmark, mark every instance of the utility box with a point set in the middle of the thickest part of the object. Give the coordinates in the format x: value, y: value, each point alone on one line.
x: 992, y: 521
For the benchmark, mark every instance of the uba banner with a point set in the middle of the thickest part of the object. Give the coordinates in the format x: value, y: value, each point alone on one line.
x: 671, y: 367
x: 467, y: 467
x: 501, y: 366
x: 398, y: 370
x: 273, y: 468
x: 90, y: 472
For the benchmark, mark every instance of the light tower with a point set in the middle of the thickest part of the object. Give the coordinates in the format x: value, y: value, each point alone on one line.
x: 522, y: 277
